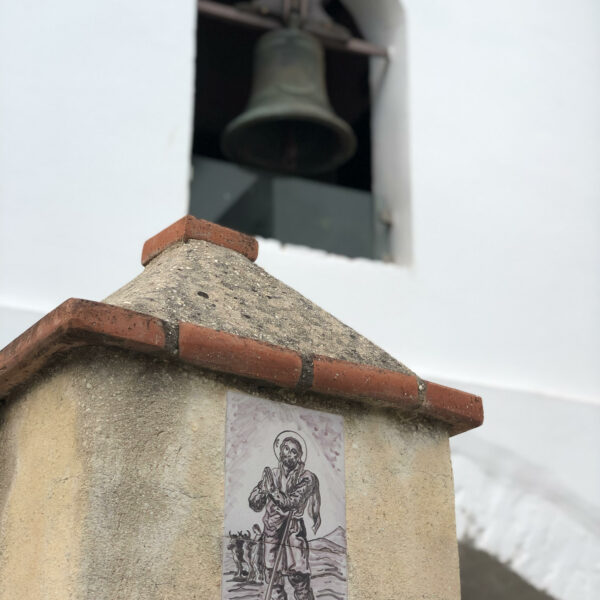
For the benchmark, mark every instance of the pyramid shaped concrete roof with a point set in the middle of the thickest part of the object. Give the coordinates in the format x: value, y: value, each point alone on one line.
x: 203, y: 300
x: 206, y: 284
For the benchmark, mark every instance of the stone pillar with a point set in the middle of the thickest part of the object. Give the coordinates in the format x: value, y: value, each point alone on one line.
x: 132, y: 432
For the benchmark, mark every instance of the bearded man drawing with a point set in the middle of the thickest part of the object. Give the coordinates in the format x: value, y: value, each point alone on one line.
x: 285, y: 493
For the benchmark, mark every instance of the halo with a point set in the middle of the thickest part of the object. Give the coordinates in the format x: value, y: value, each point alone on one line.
x: 288, y: 433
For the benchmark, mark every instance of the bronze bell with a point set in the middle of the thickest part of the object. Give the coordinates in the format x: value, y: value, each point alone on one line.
x: 288, y: 124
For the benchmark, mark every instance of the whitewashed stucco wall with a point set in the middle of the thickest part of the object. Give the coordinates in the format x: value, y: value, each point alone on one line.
x: 95, y: 130
x: 487, y: 145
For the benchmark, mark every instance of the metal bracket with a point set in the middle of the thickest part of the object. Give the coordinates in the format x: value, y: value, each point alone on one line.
x: 270, y: 14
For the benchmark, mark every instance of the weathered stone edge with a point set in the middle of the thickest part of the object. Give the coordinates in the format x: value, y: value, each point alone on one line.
x: 191, y: 228
x: 79, y: 322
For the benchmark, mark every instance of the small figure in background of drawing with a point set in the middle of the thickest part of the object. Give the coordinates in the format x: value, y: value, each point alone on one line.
x: 285, y: 493
x: 237, y: 542
x: 256, y: 555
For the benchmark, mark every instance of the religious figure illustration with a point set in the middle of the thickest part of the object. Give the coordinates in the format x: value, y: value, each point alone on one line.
x: 285, y: 493
x: 285, y: 502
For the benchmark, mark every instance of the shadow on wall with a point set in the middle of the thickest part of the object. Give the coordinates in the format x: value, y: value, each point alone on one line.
x: 482, y: 576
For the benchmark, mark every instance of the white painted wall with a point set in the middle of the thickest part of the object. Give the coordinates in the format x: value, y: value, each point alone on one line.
x: 502, y: 284
x: 95, y: 113
x: 528, y: 489
x: 487, y: 150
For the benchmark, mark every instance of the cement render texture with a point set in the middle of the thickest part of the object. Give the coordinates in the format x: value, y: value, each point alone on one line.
x: 117, y: 490
x: 112, y: 486
x: 216, y: 287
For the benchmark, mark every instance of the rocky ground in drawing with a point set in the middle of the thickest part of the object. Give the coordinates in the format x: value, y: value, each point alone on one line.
x: 328, y: 565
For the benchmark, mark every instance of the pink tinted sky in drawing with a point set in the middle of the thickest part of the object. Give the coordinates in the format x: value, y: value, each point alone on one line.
x: 252, y: 426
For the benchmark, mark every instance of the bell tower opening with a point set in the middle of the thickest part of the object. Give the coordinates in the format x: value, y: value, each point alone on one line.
x: 240, y: 180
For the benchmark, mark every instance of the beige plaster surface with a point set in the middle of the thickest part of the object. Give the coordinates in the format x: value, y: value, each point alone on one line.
x: 400, y: 510
x: 112, y: 487
x: 41, y: 503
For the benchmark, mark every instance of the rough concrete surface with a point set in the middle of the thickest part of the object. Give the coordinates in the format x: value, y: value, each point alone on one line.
x: 216, y: 287
x: 112, y: 486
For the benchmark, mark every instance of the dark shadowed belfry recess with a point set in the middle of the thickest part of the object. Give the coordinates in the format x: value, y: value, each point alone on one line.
x: 239, y: 191
x: 202, y: 300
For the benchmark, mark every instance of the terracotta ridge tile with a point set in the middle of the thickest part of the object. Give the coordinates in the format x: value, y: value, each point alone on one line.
x: 73, y: 323
x: 78, y: 322
x: 246, y: 357
x: 222, y: 351
x: 353, y: 380
x: 191, y: 228
x: 461, y: 410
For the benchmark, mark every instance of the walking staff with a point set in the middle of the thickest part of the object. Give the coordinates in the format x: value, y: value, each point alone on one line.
x: 274, y: 572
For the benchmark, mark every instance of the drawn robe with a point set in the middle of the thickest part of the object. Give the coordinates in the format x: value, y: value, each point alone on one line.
x: 294, y: 492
